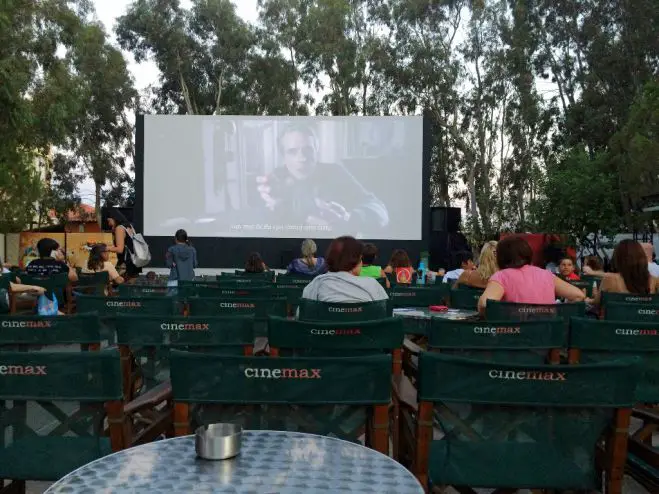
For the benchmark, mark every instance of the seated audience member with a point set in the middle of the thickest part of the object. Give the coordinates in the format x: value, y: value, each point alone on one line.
x: 593, y: 263
x: 343, y: 283
x: 567, y: 269
x: 17, y: 287
x: 401, y: 267
x: 487, y: 266
x: 99, y: 261
x: 653, y: 268
x: 369, y: 268
x: 465, y: 260
x: 308, y: 264
x: 255, y: 264
x: 181, y: 259
x: 520, y: 282
x: 630, y: 272
x: 50, y: 262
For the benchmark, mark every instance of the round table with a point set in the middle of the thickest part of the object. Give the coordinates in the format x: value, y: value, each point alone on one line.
x: 269, y: 462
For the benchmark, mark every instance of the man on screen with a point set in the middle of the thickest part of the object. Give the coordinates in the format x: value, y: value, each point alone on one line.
x: 307, y: 192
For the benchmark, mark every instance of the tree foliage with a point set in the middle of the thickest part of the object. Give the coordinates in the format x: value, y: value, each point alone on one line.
x: 540, y: 111
x: 65, y: 94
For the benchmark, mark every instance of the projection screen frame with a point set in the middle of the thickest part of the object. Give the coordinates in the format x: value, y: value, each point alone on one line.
x: 231, y: 252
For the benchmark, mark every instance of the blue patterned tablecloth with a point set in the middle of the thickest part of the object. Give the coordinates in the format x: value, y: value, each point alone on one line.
x: 269, y: 462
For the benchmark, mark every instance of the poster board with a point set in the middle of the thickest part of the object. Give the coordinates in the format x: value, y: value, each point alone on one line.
x: 78, y: 246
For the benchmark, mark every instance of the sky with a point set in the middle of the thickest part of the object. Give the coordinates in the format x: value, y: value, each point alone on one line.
x: 145, y: 73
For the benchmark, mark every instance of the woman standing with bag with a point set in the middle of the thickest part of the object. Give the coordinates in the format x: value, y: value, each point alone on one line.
x: 123, y: 245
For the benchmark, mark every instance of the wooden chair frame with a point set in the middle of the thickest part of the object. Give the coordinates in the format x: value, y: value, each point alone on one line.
x: 639, y: 443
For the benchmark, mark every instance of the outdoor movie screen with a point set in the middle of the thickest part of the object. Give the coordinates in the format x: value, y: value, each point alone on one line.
x: 283, y: 177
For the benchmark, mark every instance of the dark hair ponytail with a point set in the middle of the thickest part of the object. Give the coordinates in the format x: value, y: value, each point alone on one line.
x: 182, y: 236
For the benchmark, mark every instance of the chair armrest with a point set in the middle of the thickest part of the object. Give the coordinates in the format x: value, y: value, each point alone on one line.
x: 411, y: 347
x: 647, y: 414
x: 404, y: 392
x: 151, y: 398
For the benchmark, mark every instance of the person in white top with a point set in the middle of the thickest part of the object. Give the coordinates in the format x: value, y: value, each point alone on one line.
x: 343, y: 283
x: 466, y: 260
x: 652, y: 266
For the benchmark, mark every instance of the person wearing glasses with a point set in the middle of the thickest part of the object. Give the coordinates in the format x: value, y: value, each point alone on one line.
x: 306, y: 192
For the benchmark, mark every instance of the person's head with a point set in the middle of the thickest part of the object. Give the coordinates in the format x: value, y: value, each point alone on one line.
x: 309, y: 249
x: 181, y: 237
x: 254, y: 263
x: 465, y: 260
x: 594, y: 262
x: 116, y: 218
x: 151, y: 276
x: 487, y: 263
x: 48, y: 247
x: 97, y: 256
x: 631, y: 262
x: 566, y: 267
x: 370, y: 254
x: 345, y: 254
x: 400, y: 259
x: 298, y: 146
x: 649, y: 251
x: 514, y: 252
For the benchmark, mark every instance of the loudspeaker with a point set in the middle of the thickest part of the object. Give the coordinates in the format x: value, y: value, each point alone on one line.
x: 442, y: 248
x: 445, y: 219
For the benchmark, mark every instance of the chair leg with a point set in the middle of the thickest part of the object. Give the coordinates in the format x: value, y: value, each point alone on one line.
x: 617, y: 451
x: 120, y: 431
x: 395, y: 429
x: 423, y: 438
x: 380, y: 423
x: 181, y: 419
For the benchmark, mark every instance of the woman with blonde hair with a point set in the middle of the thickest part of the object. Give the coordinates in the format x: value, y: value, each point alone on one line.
x: 487, y: 266
x: 308, y: 264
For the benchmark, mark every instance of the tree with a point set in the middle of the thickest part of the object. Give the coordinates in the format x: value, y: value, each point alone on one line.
x: 103, y: 134
x: 209, y: 58
x: 37, y: 105
x: 580, y: 197
x: 634, y: 154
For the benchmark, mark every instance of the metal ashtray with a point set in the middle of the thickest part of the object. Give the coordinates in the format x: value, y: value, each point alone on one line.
x: 218, y: 441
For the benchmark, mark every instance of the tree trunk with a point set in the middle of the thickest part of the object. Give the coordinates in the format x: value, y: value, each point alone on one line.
x: 97, y: 203
x: 218, y: 101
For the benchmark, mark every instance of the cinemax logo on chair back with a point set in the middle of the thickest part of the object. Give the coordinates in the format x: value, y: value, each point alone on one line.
x: 27, y: 324
x: 185, y: 326
x: 635, y: 298
x: 336, y: 332
x: 343, y: 310
x: 536, y: 310
x: 237, y: 305
x: 527, y: 375
x: 23, y: 370
x: 497, y: 330
x: 130, y: 304
x: 264, y: 373
x: 636, y: 332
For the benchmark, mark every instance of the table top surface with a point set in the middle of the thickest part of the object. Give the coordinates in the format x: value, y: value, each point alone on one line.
x: 269, y: 462
x: 425, y: 313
